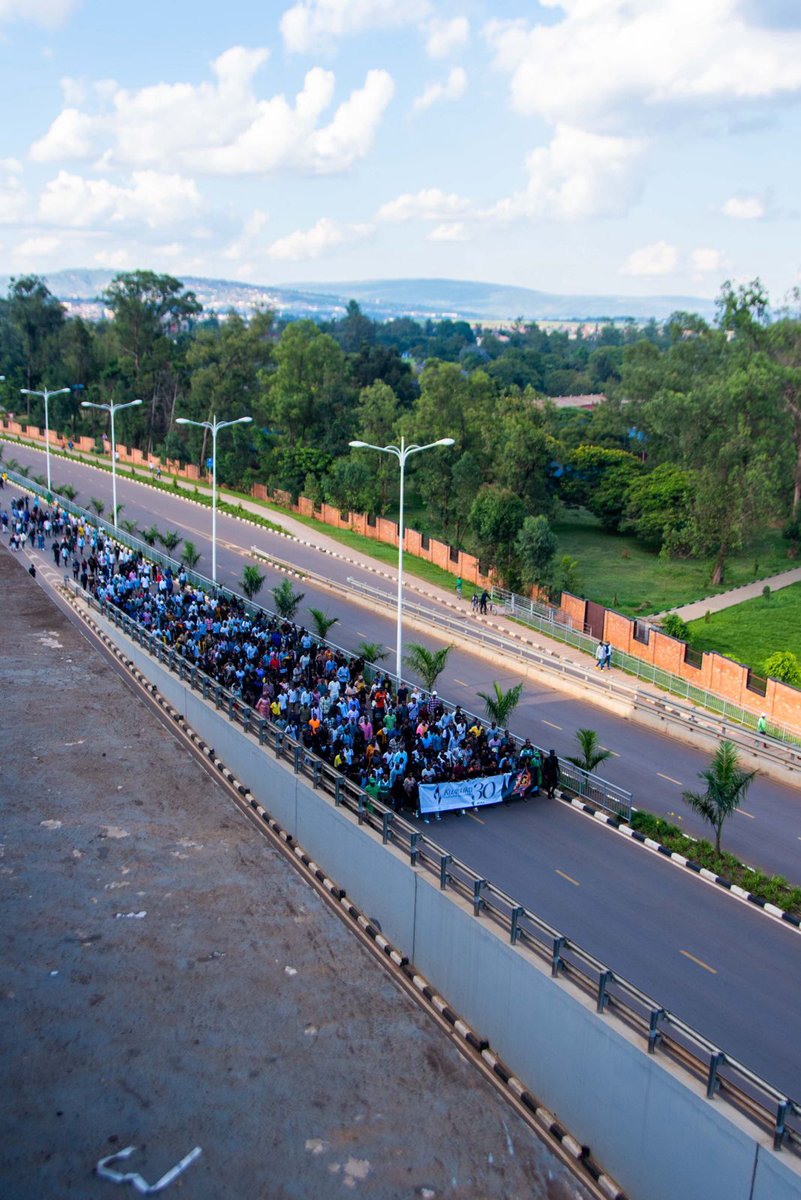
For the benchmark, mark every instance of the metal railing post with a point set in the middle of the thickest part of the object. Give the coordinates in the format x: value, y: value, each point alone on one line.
x: 444, y: 862
x: 604, y: 980
x: 386, y: 831
x: 414, y: 850
x: 712, y: 1082
x: 556, y: 955
x: 478, y: 901
x: 654, y: 1034
x: 514, y: 928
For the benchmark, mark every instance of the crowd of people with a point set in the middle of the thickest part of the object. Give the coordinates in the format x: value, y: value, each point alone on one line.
x: 388, y: 740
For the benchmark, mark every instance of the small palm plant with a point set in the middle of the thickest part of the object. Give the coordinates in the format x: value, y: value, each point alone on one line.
x: 428, y: 664
x: 252, y: 581
x: 287, y: 600
x: 98, y: 505
x: 190, y: 556
x: 500, y: 706
x: 151, y: 535
x: 592, y: 752
x: 170, y: 540
x: 727, y: 784
x: 371, y: 652
x: 322, y: 622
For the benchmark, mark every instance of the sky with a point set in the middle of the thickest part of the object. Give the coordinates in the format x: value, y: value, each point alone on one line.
x: 630, y: 147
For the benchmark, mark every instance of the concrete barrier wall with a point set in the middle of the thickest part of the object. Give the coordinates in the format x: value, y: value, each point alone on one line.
x: 648, y: 1122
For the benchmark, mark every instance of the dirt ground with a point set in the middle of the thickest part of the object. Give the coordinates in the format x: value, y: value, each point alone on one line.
x: 168, y: 980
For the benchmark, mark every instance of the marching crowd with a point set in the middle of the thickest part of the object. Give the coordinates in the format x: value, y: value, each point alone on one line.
x: 388, y: 740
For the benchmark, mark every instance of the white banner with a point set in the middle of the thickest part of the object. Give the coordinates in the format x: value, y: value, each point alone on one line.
x: 468, y: 793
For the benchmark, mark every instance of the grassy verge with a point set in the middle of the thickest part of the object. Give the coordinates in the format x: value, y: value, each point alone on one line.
x: 772, y: 888
x: 619, y: 572
x: 753, y: 630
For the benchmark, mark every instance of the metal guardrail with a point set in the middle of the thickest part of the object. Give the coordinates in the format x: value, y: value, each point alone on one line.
x: 662, y: 1031
x: 528, y: 612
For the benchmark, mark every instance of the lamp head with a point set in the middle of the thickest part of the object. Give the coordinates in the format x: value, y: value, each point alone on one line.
x: 357, y: 445
x: 183, y: 421
x: 446, y: 442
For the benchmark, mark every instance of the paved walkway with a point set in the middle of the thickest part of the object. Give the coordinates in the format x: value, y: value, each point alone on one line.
x: 746, y: 591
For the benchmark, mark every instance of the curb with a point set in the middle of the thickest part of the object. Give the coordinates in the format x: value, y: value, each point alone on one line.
x: 770, y: 910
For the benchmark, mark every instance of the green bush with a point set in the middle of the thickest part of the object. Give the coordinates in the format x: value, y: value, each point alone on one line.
x: 675, y: 626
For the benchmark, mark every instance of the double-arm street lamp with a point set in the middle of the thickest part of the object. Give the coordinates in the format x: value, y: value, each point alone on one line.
x: 112, y: 409
x: 46, y: 394
x: 401, y: 452
x: 214, y: 426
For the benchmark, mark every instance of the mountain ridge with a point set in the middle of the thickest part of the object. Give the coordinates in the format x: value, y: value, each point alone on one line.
x: 383, y: 299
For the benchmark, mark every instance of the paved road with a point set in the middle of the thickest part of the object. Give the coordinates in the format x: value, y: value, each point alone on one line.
x: 728, y: 970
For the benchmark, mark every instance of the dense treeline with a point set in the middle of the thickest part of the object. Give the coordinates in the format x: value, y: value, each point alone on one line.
x: 696, y: 448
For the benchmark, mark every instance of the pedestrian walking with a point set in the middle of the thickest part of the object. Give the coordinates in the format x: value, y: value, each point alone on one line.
x: 600, y: 655
x: 607, y: 656
x: 459, y: 587
x: 484, y: 602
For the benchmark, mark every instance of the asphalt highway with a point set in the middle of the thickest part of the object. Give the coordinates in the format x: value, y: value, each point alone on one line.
x: 726, y: 969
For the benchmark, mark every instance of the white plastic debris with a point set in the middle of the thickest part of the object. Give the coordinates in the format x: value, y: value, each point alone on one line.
x: 131, y: 916
x: 105, y: 1171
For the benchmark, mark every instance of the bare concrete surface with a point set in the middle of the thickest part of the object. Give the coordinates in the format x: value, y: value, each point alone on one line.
x: 167, y: 980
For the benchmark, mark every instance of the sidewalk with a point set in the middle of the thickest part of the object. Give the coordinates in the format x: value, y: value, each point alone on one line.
x: 746, y: 591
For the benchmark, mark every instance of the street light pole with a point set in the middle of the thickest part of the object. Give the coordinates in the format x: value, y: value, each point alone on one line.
x: 46, y: 394
x: 401, y: 452
x: 214, y: 426
x: 112, y: 409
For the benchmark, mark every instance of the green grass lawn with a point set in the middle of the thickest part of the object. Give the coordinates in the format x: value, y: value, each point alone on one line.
x: 619, y: 572
x: 755, y: 629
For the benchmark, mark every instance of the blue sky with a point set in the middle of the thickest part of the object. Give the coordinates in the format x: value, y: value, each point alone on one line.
x: 597, y: 146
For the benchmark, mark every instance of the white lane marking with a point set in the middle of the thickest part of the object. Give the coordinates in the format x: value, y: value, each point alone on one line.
x: 670, y: 779
x: 698, y: 961
x: 569, y: 878
x: 551, y: 724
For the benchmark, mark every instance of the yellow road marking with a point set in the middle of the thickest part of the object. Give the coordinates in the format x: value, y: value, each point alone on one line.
x: 569, y: 878
x: 475, y: 818
x: 461, y: 683
x: 698, y: 962
x: 551, y: 724
x: 750, y: 816
x: 614, y: 753
x: 670, y: 779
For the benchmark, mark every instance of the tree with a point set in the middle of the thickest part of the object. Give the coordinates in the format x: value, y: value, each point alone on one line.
x: 428, y: 664
x: 38, y: 318
x: 592, y: 752
x: 659, y: 508
x: 535, y: 547
x: 130, y: 527
x: 496, y: 518
x: 371, y: 652
x: 252, y: 581
x: 170, y: 540
x: 287, y: 600
x: 64, y: 489
x: 675, y: 626
x: 97, y: 505
x: 500, y: 705
x: 190, y: 556
x: 151, y: 535
x: 322, y: 622
x: 783, y: 665
x: 599, y: 479
x: 727, y: 785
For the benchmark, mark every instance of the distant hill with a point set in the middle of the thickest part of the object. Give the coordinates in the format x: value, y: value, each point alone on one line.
x: 383, y: 299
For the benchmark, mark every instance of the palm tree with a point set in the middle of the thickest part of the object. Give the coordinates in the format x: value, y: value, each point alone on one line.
x: 97, y: 505
x: 322, y: 622
x: 371, y: 652
x: 67, y: 491
x: 592, y: 752
x: 501, y: 706
x: 726, y: 787
x: 170, y: 540
x: 429, y: 664
x: 190, y: 556
x: 252, y: 581
x: 130, y: 527
x: 151, y: 535
x: 287, y: 600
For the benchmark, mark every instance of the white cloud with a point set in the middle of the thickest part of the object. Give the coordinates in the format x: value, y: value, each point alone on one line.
x: 243, y: 246
x: 14, y: 200
x: 153, y: 198
x: 50, y: 13
x: 220, y: 126
x: 745, y: 208
x: 455, y: 231
x: 115, y: 260
x: 453, y: 88
x: 312, y: 243
x: 430, y: 204
x: 33, y: 250
x: 446, y: 36
x: 660, y: 258
x: 704, y: 259
x: 313, y: 24
x: 578, y: 175
x: 614, y: 61
x: 69, y: 137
